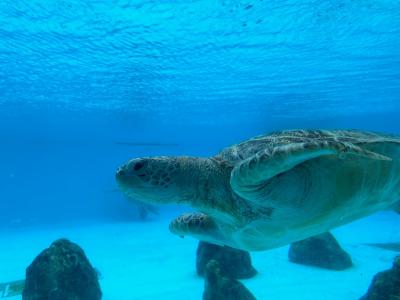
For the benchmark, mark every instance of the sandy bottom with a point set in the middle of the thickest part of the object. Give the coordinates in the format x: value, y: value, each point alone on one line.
x: 144, y: 261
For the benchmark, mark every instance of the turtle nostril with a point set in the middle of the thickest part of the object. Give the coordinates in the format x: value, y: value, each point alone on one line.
x: 138, y: 166
x: 120, y: 172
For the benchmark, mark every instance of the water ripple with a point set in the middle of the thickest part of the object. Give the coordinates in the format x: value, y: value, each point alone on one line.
x: 202, y: 60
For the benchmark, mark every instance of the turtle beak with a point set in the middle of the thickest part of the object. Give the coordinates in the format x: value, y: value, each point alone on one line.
x: 128, y: 172
x: 120, y: 174
x: 137, y: 180
x: 125, y: 179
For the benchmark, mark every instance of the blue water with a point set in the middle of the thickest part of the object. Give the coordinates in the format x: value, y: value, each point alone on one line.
x: 78, y: 76
x: 80, y: 81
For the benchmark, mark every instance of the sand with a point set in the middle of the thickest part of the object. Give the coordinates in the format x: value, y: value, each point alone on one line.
x: 143, y: 261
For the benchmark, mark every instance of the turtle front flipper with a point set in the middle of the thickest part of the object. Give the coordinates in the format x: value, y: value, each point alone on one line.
x: 251, y: 176
x: 197, y: 225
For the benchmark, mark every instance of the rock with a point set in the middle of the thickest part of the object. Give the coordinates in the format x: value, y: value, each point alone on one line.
x: 217, y: 286
x: 321, y: 251
x: 235, y: 263
x: 385, y: 285
x: 61, y: 272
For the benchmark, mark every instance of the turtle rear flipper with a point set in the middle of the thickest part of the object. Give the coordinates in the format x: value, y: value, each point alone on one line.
x: 249, y: 178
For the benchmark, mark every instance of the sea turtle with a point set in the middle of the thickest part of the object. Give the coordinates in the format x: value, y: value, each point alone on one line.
x: 273, y: 189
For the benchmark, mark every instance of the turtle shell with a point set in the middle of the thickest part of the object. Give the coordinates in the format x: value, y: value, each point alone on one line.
x: 239, y: 152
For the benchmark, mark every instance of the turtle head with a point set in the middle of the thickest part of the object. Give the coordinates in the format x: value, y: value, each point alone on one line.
x: 159, y: 180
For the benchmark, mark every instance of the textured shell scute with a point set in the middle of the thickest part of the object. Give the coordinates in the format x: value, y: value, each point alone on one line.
x: 239, y: 152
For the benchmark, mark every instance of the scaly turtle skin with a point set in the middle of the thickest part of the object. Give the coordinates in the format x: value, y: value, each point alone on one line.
x: 273, y: 189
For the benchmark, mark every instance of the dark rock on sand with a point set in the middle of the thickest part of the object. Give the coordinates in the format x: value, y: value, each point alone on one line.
x: 61, y: 272
x: 218, y: 286
x: 235, y: 263
x: 321, y: 251
x: 385, y: 285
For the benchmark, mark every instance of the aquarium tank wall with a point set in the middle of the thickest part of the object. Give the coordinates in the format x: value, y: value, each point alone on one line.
x: 86, y: 86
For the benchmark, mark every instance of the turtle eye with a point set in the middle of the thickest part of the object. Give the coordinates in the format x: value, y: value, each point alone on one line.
x: 138, y: 166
